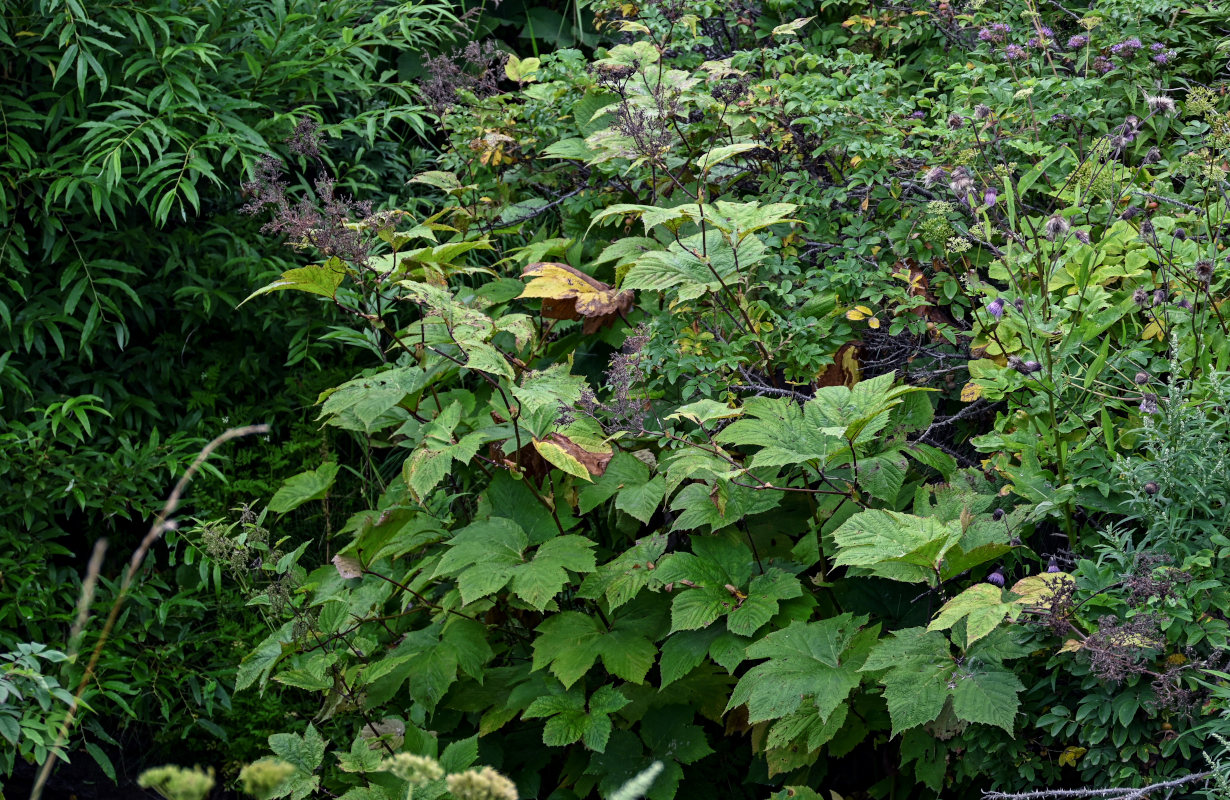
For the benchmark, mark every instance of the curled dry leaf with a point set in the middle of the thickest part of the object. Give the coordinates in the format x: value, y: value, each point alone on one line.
x: 568, y: 293
x: 348, y: 567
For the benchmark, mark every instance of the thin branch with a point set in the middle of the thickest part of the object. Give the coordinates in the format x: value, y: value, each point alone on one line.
x: 162, y: 524
x: 1114, y: 794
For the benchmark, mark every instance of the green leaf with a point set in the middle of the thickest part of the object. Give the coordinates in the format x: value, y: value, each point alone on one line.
x: 761, y: 602
x: 981, y: 605
x: 257, y: 665
x: 483, y: 556
x: 304, y: 487
x: 622, y: 579
x: 627, y: 480
x: 988, y: 697
x: 818, y: 660
x: 322, y: 280
x: 460, y: 755
x: 538, y: 581
x: 916, y: 685
x: 305, y: 753
x: 895, y: 545
x: 567, y: 642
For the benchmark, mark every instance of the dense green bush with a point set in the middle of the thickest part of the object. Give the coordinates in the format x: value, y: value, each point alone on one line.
x: 772, y: 395
x: 127, y: 129
x: 805, y: 395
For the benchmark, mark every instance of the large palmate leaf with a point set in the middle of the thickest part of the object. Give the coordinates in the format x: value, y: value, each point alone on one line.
x: 487, y: 555
x: 898, y: 546
x: 818, y: 660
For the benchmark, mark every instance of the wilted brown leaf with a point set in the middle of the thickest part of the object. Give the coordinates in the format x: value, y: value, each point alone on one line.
x: 568, y: 293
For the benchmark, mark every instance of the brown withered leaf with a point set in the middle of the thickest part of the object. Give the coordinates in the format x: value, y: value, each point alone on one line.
x: 568, y: 293
x: 572, y: 457
x: 919, y: 286
x: 845, y: 370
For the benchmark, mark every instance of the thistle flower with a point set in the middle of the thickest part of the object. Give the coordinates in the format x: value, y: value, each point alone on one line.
x: 1146, y: 229
x: 1081, y: 236
x: 1141, y: 298
x: 990, y: 196
x: 1128, y: 47
x: 1160, y: 104
x: 1019, y: 304
x: 1180, y: 234
x: 1204, y: 271
x: 1152, y: 157
x: 996, y: 578
x: 1052, y: 565
x: 1160, y: 296
x: 1148, y: 404
x: 998, y: 514
x: 1056, y: 227
x: 996, y: 307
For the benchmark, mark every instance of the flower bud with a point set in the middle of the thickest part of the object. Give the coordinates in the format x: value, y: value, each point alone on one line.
x: 1151, y: 488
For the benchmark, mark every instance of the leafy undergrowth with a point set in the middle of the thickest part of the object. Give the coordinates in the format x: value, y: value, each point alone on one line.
x: 804, y: 396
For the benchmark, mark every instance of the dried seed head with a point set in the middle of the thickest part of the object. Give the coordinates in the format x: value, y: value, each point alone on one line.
x: 1141, y: 378
x: 1151, y: 488
x: 1160, y: 104
x: 1153, y: 156
x: 982, y: 111
x: 1204, y: 271
x: 1056, y: 227
x: 1141, y: 298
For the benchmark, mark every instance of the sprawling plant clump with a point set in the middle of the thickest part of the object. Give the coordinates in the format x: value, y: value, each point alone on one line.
x: 803, y: 396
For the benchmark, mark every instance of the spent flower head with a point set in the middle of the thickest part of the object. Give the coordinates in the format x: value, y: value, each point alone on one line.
x: 481, y: 784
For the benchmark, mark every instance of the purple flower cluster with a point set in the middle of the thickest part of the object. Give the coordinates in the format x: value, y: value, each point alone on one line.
x: 1127, y: 48
x: 1161, y: 55
x: 996, y: 32
x: 1103, y: 65
x: 1014, y: 52
x: 1075, y: 42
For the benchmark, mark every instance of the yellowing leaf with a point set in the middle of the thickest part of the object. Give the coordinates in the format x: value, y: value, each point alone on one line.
x: 629, y: 26
x: 1069, y: 757
x: 970, y: 392
x: 1037, y: 590
x: 858, y: 313
x: 568, y: 293
x: 567, y: 455
x: 856, y: 160
x: 1071, y: 646
x: 1153, y: 331
x: 791, y: 28
x: 522, y: 70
